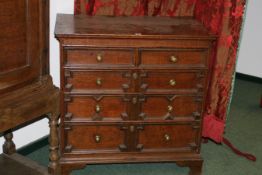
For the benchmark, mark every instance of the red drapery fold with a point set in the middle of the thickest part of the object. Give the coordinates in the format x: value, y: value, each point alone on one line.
x: 135, y: 7
x: 222, y: 17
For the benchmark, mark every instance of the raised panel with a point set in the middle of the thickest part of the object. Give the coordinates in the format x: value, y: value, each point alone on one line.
x: 155, y: 81
x: 167, y: 137
x: 99, y: 81
x: 103, y: 57
x: 22, y: 42
x: 175, y: 58
x: 97, y: 107
x: 171, y: 107
x: 13, y: 35
x: 93, y: 138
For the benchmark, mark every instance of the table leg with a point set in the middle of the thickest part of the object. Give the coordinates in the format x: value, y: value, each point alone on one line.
x: 9, y: 146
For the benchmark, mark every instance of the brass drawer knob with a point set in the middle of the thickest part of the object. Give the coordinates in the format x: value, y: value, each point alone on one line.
x: 169, y: 108
x: 99, y: 81
x: 135, y: 75
x: 173, y: 59
x: 99, y: 58
x: 172, y: 82
x: 167, y: 137
x: 98, y: 108
x: 97, y: 138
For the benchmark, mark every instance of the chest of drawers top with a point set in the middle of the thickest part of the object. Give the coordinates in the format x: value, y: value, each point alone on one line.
x: 130, y: 27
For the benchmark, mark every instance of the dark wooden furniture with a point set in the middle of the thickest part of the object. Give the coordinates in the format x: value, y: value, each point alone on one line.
x: 133, y: 90
x: 16, y: 164
x: 26, y: 89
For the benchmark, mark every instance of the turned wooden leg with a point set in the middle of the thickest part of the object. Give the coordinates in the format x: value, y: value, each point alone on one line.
x: 9, y: 146
x: 195, y: 166
x: 53, y: 167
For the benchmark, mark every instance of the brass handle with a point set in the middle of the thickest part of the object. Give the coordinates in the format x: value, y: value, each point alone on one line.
x: 99, y: 58
x: 167, y: 137
x: 169, y: 108
x: 98, y: 109
x: 97, y: 138
x: 99, y: 81
x: 172, y: 82
x: 173, y: 59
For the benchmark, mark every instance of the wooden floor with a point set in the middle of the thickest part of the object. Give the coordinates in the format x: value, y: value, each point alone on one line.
x: 19, y: 165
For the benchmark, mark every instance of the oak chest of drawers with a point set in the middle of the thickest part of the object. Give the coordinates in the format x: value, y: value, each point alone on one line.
x: 133, y: 90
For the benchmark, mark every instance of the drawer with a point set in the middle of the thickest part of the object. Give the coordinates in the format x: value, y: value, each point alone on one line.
x: 173, y: 58
x: 106, y: 81
x: 155, y: 81
x: 93, y: 138
x: 99, y: 57
x: 95, y: 107
x: 171, y: 107
x: 168, y: 137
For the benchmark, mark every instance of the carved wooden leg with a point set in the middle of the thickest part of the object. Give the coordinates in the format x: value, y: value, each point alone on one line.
x: 68, y: 168
x: 194, y: 165
x: 9, y: 146
x: 53, y: 167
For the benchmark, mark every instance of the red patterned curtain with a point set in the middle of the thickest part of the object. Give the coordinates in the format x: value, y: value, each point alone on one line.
x: 223, y: 17
x: 135, y: 7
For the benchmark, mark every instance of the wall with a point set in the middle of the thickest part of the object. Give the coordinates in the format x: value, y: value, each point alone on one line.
x: 250, y: 59
x: 250, y: 53
x: 40, y: 129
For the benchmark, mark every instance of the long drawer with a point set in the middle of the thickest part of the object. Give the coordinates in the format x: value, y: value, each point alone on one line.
x: 95, y: 137
x: 93, y: 107
x: 134, y: 81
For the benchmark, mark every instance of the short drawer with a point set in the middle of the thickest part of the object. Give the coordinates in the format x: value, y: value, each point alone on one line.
x: 99, y: 57
x: 95, y: 107
x: 168, y: 138
x: 171, y: 107
x: 174, y: 58
x: 93, y: 138
x: 155, y: 81
x: 106, y: 81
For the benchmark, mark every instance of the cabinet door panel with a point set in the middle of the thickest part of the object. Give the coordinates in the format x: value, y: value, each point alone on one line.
x: 21, y: 40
